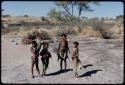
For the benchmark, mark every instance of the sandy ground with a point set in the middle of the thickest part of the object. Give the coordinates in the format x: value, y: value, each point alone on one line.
x: 103, y: 60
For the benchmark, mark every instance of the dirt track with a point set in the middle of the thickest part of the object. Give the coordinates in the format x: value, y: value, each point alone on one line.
x: 103, y: 60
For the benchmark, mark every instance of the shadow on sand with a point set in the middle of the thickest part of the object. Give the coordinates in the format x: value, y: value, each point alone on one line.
x: 88, y: 65
x: 89, y: 73
x: 58, y: 72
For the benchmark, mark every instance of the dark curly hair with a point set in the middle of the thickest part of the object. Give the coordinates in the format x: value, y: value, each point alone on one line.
x: 34, y: 43
x: 76, y: 43
x: 64, y: 35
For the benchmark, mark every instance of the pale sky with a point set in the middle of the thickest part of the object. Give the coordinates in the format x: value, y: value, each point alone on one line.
x: 41, y: 8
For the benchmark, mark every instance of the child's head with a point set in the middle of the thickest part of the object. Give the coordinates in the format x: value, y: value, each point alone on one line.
x: 63, y: 36
x: 34, y: 44
x: 45, y: 45
x: 75, y: 43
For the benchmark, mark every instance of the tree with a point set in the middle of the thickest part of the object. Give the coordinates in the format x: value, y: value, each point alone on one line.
x: 26, y: 16
x: 107, y: 18
x: 55, y: 14
x: 68, y: 14
x: 69, y: 6
x: 119, y: 17
x: 102, y: 18
x: 43, y: 18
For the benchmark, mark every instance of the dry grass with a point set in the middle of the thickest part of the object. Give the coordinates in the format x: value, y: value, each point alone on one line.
x: 116, y: 31
x: 90, y: 32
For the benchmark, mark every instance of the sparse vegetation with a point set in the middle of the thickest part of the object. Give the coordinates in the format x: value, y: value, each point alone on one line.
x: 41, y: 35
x: 68, y: 31
x: 106, y: 28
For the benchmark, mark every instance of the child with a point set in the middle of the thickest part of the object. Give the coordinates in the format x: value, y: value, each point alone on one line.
x: 63, y: 51
x: 75, y: 58
x: 35, y: 55
x: 45, y: 57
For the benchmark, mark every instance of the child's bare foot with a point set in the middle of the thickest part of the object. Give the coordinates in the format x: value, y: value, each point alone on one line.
x: 77, y: 76
x: 81, y: 67
x: 32, y: 76
x: 42, y: 76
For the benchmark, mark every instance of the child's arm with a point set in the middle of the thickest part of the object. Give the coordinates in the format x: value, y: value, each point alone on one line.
x: 32, y: 50
x: 68, y: 47
x: 49, y: 54
x: 59, y: 47
x: 78, y: 55
x: 77, y: 52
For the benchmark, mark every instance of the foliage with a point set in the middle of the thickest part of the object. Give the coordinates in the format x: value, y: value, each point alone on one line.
x: 53, y: 13
x: 69, y: 7
x: 68, y: 31
x: 41, y: 35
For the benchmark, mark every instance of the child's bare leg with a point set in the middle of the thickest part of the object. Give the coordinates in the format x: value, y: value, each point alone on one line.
x: 65, y: 64
x: 37, y: 68
x: 43, y: 71
x: 61, y: 64
x: 32, y: 68
x: 76, y: 67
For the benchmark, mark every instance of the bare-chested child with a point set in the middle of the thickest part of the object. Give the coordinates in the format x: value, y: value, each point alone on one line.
x: 63, y: 51
x: 35, y: 55
x: 75, y: 58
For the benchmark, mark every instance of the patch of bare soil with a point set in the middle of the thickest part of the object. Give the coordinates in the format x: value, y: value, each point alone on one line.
x: 102, y: 61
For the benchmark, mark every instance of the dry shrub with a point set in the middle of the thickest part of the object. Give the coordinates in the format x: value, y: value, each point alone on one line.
x: 68, y: 31
x: 53, y: 32
x: 5, y: 31
x: 89, y: 32
x: 26, y: 40
x: 77, y: 29
x: 9, y: 31
x: 41, y: 35
x: 25, y: 31
x: 117, y: 32
x: 49, y: 31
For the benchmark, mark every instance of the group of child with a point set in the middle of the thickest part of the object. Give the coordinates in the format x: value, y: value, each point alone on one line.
x: 35, y: 55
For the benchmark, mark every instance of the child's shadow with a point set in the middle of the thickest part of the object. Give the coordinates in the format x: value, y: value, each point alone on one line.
x: 89, y: 73
x: 58, y: 72
x: 88, y: 65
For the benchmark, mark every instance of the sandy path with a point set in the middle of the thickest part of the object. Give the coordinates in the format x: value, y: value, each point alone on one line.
x: 103, y: 61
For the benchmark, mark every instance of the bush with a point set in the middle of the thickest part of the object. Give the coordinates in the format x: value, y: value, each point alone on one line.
x: 26, y: 40
x: 67, y: 31
x: 103, y: 28
x: 5, y: 30
x: 41, y: 35
x: 90, y: 32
